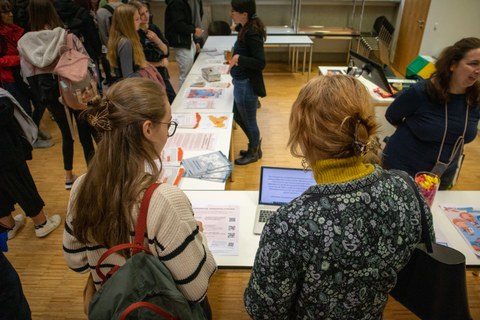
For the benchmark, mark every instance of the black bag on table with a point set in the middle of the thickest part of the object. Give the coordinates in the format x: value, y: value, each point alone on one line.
x: 433, y: 283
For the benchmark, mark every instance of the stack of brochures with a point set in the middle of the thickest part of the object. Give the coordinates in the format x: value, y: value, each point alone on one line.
x: 211, y: 167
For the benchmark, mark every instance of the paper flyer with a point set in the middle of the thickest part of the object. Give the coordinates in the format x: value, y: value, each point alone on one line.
x: 466, y: 220
x: 220, y: 227
x: 207, y: 93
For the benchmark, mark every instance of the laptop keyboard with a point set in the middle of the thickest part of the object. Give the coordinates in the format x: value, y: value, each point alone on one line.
x: 265, y: 214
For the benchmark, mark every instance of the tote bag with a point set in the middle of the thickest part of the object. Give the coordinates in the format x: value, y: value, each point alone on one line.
x: 433, y: 283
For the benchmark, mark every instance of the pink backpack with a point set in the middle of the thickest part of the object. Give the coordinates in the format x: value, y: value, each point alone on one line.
x: 77, y: 77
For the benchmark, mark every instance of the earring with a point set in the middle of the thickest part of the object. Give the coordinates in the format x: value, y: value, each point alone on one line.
x: 305, y: 164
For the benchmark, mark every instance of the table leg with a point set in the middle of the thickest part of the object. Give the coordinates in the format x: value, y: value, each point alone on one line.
x: 310, y: 62
x: 304, y: 59
x: 232, y: 153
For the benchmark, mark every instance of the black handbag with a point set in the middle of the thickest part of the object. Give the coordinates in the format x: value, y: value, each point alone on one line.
x: 152, y: 52
x: 433, y: 283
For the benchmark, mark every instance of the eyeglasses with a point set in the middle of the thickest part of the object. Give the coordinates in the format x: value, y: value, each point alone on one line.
x: 172, y: 127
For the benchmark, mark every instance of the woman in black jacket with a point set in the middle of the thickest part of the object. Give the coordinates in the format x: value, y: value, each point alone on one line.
x: 246, y: 67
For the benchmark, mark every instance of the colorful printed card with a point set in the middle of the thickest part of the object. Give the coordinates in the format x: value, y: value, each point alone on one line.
x: 466, y: 220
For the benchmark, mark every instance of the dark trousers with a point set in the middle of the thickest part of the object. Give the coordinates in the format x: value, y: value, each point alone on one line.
x: 13, y: 304
x: 85, y: 131
x: 17, y: 186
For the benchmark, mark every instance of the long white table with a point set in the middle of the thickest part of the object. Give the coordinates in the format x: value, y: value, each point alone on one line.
x: 222, y: 143
x: 219, y: 106
x: 247, y: 200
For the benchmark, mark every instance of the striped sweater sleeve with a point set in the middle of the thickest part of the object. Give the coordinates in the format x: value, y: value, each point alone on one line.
x: 174, y: 235
x: 74, y: 252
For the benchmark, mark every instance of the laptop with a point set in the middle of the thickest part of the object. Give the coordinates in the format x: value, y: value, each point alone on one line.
x: 376, y: 73
x: 279, y: 186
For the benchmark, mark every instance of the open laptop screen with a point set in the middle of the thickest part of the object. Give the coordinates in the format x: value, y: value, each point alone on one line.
x: 281, y: 185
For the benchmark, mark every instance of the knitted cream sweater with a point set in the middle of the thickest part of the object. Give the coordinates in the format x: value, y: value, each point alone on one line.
x: 173, y: 236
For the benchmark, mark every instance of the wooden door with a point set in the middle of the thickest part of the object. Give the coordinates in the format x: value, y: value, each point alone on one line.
x: 410, y: 36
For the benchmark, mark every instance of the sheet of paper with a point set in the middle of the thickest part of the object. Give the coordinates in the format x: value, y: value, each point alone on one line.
x: 192, y: 141
x: 199, y: 104
x: 220, y: 227
x: 187, y: 120
x: 208, y: 93
x: 466, y: 220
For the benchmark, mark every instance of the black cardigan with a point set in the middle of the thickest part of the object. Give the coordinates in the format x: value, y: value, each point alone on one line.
x: 179, y: 25
x: 254, y: 62
x: 14, y: 149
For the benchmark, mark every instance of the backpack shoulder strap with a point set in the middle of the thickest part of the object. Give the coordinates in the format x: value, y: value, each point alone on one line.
x: 142, y: 216
x: 138, y: 245
x: 109, y: 8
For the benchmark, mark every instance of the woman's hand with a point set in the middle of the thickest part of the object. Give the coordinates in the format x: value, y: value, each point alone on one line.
x: 152, y: 36
x: 233, y: 62
x: 200, y: 225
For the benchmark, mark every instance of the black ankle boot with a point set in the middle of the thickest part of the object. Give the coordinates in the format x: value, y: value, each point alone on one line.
x: 250, y: 156
x: 260, y: 153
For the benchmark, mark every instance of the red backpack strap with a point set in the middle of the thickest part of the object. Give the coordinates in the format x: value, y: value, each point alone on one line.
x: 112, y: 250
x: 138, y: 243
x: 147, y: 305
x: 142, y: 217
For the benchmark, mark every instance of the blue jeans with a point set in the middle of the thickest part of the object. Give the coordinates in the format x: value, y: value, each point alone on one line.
x: 13, y: 304
x: 245, y: 110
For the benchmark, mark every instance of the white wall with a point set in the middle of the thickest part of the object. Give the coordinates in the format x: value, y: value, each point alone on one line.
x: 448, y: 21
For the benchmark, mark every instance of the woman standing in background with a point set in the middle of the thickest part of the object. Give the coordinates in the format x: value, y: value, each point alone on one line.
x: 155, y: 46
x: 248, y: 61
x: 436, y: 117
x: 125, y: 52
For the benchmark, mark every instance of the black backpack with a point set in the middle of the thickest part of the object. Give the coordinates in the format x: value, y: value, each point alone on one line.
x: 143, y: 287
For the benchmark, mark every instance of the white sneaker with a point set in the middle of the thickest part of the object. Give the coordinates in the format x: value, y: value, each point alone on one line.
x: 52, y: 223
x: 19, y: 223
x: 69, y: 183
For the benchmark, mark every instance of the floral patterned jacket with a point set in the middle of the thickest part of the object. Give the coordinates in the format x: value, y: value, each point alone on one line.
x: 334, y: 252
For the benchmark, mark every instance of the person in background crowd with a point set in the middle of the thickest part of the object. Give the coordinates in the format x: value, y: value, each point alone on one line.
x: 77, y: 19
x: 436, y: 117
x: 155, y: 46
x: 12, y: 300
x: 39, y: 50
x: 246, y: 65
x: 334, y: 252
x: 182, y: 25
x: 104, y: 18
x: 135, y: 120
x: 16, y: 182
x: 125, y: 52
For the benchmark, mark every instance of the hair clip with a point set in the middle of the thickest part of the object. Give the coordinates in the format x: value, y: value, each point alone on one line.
x: 100, y: 119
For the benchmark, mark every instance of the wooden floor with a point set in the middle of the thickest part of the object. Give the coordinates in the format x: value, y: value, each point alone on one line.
x: 55, y: 292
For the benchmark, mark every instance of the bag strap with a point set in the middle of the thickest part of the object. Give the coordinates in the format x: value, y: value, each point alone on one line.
x: 142, y: 217
x: 109, y: 8
x: 147, y: 305
x: 423, y: 215
x: 138, y: 243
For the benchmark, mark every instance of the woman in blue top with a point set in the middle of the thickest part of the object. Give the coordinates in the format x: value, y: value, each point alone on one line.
x: 435, y: 118
x: 246, y: 67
